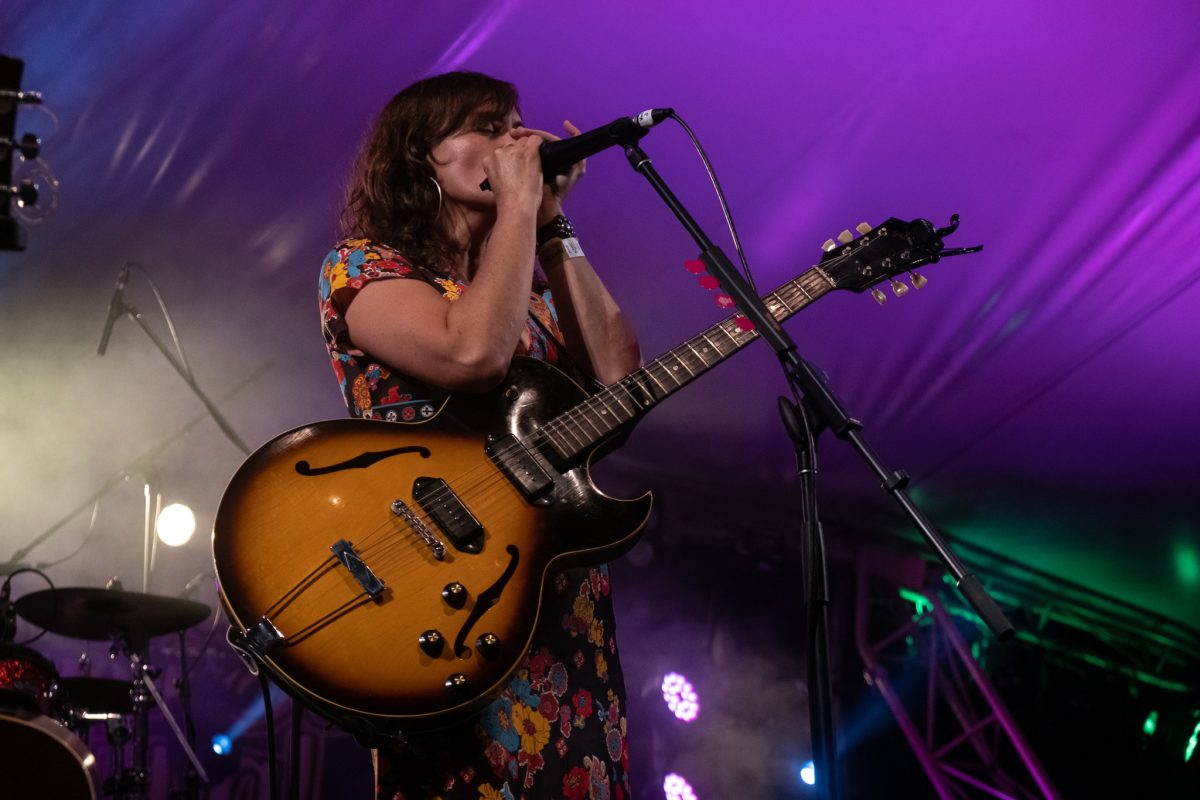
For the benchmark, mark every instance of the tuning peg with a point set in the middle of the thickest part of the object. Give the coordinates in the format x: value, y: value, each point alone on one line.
x: 863, y: 227
x: 898, y: 288
x: 845, y: 236
x: 918, y: 281
x: 829, y: 245
x: 879, y: 296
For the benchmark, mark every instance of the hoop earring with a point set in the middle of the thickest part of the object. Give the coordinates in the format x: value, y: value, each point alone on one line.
x: 437, y: 186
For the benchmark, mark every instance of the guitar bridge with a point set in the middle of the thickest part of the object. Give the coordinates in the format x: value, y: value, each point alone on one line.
x: 348, y: 557
x: 401, y: 509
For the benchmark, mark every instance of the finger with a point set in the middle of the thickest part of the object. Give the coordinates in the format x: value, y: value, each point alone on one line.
x: 521, y: 133
x: 570, y: 128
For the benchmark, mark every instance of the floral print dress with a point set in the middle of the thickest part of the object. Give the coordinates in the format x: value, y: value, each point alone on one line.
x: 558, y: 729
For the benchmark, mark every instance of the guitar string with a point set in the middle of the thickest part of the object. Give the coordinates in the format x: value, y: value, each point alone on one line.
x: 606, y: 398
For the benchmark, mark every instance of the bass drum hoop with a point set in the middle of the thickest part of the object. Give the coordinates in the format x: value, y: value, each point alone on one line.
x: 41, y: 758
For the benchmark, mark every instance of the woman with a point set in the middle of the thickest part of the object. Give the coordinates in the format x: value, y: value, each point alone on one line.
x: 433, y: 291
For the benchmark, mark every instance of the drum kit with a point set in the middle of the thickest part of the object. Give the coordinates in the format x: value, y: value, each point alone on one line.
x: 45, y: 719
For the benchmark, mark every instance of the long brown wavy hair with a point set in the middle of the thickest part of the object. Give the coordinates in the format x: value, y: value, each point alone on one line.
x: 391, y: 197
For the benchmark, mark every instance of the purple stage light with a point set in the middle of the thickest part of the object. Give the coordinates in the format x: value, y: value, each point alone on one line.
x: 675, y: 787
x: 681, y: 697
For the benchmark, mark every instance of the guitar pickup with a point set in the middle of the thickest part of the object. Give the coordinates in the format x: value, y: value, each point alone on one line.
x: 438, y: 500
x: 348, y: 557
x: 520, y: 466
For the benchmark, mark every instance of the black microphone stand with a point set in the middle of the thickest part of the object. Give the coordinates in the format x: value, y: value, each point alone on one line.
x: 130, y: 311
x: 826, y: 412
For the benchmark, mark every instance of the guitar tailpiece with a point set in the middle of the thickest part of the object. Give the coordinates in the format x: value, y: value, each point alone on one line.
x: 237, y: 641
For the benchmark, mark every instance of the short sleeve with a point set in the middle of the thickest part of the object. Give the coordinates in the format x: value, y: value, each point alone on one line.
x: 352, y: 265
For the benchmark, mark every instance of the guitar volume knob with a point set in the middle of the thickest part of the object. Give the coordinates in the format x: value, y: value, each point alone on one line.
x: 488, y: 645
x: 432, y: 643
x: 457, y: 684
x: 455, y: 595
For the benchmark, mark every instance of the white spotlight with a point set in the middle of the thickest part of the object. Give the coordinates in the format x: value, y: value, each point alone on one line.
x: 176, y: 524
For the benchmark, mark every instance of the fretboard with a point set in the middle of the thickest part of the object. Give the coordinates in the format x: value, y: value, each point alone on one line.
x: 581, y: 427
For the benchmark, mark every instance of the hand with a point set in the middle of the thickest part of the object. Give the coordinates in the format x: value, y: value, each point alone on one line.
x: 554, y: 193
x: 514, y: 171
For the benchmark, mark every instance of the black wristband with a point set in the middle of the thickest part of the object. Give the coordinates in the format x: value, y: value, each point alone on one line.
x: 558, y: 228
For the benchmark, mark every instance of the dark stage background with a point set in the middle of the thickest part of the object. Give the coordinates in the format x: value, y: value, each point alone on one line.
x: 1041, y: 393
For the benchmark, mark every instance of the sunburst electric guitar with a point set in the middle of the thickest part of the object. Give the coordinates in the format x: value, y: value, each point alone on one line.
x: 390, y: 575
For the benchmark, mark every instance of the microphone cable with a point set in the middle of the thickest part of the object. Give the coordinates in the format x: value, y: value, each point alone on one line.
x: 712, y: 176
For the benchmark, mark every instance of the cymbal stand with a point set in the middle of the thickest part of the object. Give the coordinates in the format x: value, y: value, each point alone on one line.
x: 149, y: 539
x: 134, y: 783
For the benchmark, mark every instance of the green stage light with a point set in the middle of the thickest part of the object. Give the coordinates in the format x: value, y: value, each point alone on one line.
x: 1191, y: 745
x: 1151, y: 723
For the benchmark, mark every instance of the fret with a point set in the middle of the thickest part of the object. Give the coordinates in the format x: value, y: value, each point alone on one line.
x: 602, y: 398
x: 720, y: 353
x: 696, y: 352
x: 638, y: 398
x: 581, y: 418
x: 658, y: 362
x: 673, y: 369
x: 646, y: 388
x: 679, y: 362
x: 559, y: 446
x: 561, y: 425
x: 650, y: 375
x: 603, y: 425
x: 612, y: 392
x: 709, y: 342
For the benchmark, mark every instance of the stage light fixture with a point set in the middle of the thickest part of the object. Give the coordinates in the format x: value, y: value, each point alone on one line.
x: 808, y: 773
x: 680, y: 696
x: 1191, y: 745
x: 676, y: 787
x: 222, y: 745
x: 176, y: 524
x: 1151, y: 723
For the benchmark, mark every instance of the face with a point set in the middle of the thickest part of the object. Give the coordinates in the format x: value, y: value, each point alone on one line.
x: 457, y: 160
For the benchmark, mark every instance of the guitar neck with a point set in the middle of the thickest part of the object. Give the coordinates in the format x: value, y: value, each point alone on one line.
x: 580, y: 428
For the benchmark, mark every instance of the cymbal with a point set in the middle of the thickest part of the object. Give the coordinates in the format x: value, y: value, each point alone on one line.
x: 99, y: 614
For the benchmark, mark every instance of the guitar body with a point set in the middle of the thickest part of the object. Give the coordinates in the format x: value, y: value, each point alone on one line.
x: 353, y: 649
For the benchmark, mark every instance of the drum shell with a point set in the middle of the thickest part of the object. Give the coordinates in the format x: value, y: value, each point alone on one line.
x: 41, y: 758
x: 27, y: 679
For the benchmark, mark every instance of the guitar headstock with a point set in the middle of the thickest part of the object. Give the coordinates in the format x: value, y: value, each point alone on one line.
x: 884, y: 252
